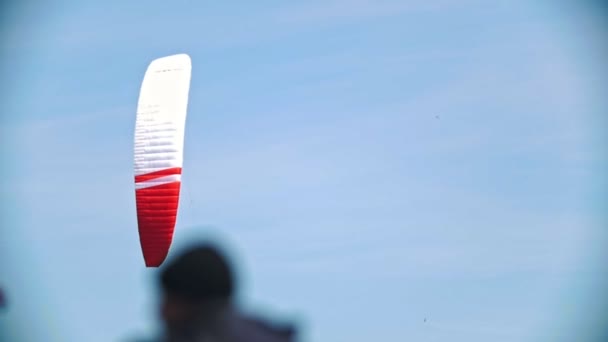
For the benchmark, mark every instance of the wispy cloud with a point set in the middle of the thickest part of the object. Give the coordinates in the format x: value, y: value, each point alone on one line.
x: 84, y: 25
x: 338, y: 12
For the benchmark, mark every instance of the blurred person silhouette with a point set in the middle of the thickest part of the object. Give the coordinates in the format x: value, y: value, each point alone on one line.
x: 197, y: 303
x: 3, y: 300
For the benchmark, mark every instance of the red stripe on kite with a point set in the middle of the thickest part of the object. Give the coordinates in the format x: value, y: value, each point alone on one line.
x: 158, y: 174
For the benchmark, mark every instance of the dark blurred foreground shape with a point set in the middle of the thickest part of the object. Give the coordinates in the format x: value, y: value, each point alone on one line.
x: 198, y: 304
x: 3, y: 303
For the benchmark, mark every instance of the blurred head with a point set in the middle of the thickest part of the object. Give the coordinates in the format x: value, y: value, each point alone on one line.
x: 197, y: 280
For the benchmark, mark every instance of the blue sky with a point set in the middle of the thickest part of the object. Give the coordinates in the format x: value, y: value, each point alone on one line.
x: 368, y: 164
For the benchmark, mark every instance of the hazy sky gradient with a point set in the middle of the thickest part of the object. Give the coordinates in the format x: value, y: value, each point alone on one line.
x: 369, y: 164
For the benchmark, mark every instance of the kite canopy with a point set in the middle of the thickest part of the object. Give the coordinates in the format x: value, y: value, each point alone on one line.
x: 159, y: 142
